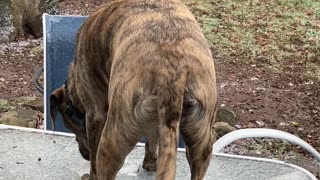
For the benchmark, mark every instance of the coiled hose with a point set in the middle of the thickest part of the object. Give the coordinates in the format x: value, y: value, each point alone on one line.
x: 262, y: 133
x: 36, y: 76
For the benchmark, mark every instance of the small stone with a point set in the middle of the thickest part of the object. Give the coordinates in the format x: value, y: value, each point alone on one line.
x: 85, y: 176
x: 263, y: 89
x: 238, y: 126
x: 309, y: 82
x: 309, y: 136
x: 294, y: 123
x: 283, y: 124
x: 222, y: 128
x: 259, y: 152
x: 39, y: 159
x: 254, y: 79
x: 24, y: 43
x: 260, y: 123
x: 226, y: 115
x: 223, y: 84
x: 2, y: 80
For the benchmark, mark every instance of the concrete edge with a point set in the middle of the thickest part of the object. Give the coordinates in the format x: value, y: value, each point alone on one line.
x: 2, y: 126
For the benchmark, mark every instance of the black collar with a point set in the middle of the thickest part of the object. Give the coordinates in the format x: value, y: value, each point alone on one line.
x: 77, y: 117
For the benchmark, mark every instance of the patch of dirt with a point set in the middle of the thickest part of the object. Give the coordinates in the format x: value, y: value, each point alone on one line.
x: 74, y: 7
x: 18, y: 61
x: 262, y: 97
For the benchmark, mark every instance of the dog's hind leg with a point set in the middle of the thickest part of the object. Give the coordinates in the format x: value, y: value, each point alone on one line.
x: 151, y: 150
x: 146, y: 112
x: 198, y: 135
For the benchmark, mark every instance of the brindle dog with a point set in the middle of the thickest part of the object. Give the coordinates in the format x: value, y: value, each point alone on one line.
x: 142, y: 68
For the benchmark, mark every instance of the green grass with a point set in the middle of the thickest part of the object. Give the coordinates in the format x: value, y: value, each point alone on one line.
x: 10, y: 104
x: 4, y: 105
x: 285, y: 32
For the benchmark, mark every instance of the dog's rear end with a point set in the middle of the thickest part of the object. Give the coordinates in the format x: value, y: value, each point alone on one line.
x: 172, y: 108
x: 162, y: 81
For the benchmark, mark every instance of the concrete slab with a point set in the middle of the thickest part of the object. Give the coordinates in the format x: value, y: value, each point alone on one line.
x: 41, y: 156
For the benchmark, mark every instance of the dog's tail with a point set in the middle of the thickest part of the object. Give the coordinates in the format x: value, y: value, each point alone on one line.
x: 169, y: 113
x: 170, y: 106
x: 164, y: 108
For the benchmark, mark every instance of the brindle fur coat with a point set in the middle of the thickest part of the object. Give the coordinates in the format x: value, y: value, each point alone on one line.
x: 142, y: 68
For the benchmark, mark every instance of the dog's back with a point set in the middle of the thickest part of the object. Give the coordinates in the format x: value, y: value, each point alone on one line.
x: 154, y: 63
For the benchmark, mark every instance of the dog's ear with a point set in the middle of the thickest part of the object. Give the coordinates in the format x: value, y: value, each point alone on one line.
x: 56, y: 99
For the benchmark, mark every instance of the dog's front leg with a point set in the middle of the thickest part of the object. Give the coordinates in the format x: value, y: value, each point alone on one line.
x: 95, y: 122
x: 119, y: 136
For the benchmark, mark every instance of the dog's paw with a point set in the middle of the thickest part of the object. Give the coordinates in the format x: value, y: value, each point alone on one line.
x: 150, y: 165
x: 85, y: 177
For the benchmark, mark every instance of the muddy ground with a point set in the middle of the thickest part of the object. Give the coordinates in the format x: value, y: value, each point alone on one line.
x: 262, y: 96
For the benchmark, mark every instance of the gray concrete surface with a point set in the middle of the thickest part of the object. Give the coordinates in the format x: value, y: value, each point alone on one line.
x: 38, y: 156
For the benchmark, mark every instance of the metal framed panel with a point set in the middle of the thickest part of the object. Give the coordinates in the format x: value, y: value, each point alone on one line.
x: 59, y: 45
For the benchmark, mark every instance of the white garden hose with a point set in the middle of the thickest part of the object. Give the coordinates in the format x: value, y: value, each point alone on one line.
x: 262, y: 133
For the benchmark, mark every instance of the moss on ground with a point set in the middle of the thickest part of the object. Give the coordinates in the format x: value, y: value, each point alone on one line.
x: 285, y: 33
